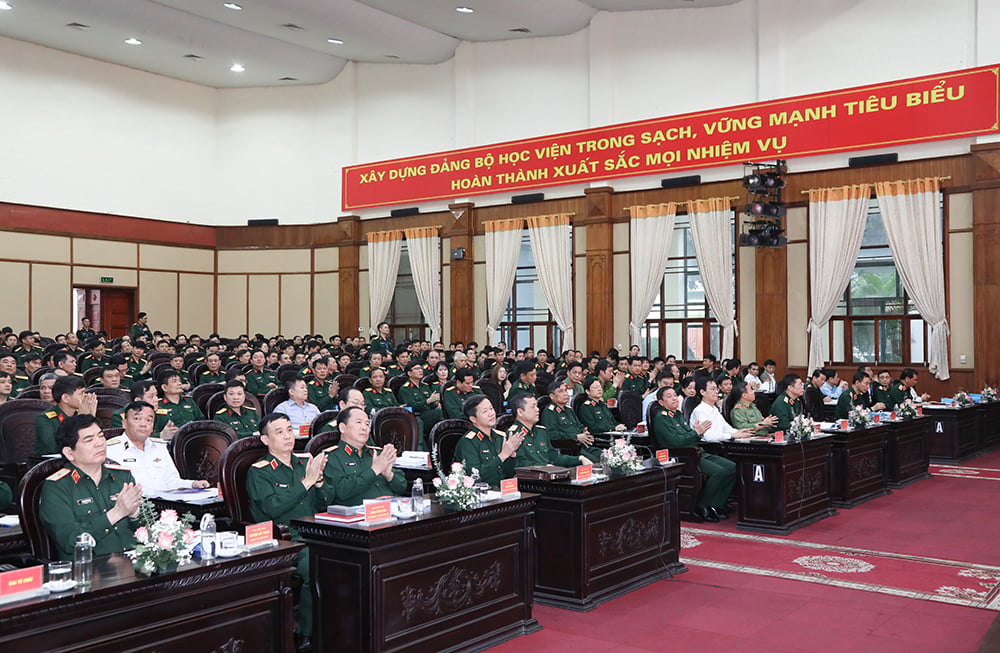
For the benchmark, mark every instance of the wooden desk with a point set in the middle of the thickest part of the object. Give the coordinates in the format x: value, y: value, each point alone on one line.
x: 988, y: 415
x: 605, y: 539
x: 237, y: 604
x: 782, y: 487
x: 455, y: 581
x: 859, y: 465
x: 953, y: 437
x: 907, y: 452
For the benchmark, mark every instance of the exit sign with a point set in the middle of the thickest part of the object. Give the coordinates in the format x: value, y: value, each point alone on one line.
x: 107, y: 279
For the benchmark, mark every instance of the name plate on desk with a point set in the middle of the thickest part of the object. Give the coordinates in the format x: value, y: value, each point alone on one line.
x: 779, y: 436
x: 663, y: 456
x: 920, y: 410
x: 21, y: 580
x: 584, y: 473
x: 876, y: 418
x: 304, y: 431
x: 378, y: 511
x: 508, y: 487
x: 259, y: 535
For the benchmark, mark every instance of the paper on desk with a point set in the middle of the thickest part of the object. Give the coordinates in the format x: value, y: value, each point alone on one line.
x: 197, y: 497
x: 7, y: 521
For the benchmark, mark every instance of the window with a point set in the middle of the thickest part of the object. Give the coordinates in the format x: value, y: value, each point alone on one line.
x: 527, y: 321
x: 406, y: 322
x: 680, y: 321
x: 875, y: 321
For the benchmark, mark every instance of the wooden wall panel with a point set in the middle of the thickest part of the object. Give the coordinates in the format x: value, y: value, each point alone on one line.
x: 349, y: 293
x: 772, y: 305
x: 461, y: 282
x: 600, y: 271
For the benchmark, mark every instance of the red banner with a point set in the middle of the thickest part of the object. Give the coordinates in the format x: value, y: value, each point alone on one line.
x: 936, y: 107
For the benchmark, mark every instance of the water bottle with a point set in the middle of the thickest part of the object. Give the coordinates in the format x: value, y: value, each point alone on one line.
x: 207, y: 536
x: 83, y: 560
x: 418, y: 496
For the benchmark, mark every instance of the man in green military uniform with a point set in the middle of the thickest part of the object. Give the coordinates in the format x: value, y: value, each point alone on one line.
x: 236, y: 414
x: 349, y: 396
x: 26, y: 346
x: 322, y: 389
x: 88, y: 495
x: 374, y: 362
x: 214, y: 372
x: 490, y: 452
x: 356, y: 471
x: 174, y: 409
x: 85, y: 332
x: 635, y: 381
x: 882, y: 392
x: 536, y: 449
x: 377, y: 396
x: 260, y: 380
x: 98, y: 356
x: 177, y: 364
x: 905, y: 388
x: 788, y: 404
x: 857, y: 395
x: 526, y: 375
x: 670, y: 431
x: 426, y: 404
x: 8, y: 364
x: 563, y: 424
x: 284, y: 486
x: 140, y: 329
x: 138, y: 367
x: 454, y: 396
x: 594, y: 413
x: 399, y: 366
x: 141, y: 391
x: 70, y: 399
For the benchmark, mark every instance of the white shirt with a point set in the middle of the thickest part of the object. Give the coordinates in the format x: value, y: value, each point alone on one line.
x: 720, y: 429
x: 152, y: 466
x: 298, y: 415
x: 750, y: 379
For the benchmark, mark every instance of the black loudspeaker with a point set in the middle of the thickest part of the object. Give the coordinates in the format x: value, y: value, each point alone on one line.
x: 527, y: 199
x: 675, y: 182
x: 402, y: 213
x: 458, y: 253
x: 263, y: 222
x: 872, y: 160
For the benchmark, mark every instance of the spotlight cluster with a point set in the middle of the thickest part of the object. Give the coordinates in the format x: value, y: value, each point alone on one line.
x: 764, y: 183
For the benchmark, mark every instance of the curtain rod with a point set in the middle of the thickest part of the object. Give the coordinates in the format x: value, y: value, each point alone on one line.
x: 731, y: 198
x: 905, y: 181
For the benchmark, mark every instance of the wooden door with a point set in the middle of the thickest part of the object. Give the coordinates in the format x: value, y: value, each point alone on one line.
x: 117, y: 311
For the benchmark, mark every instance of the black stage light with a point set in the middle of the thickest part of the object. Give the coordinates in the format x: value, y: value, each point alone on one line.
x: 766, y: 210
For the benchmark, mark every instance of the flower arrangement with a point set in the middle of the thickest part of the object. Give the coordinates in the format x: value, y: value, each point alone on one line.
x: 989, y: 395
x: 457, y: 489
x: 962, y: 399
x: 801, y: 429
x: 161, y: 541
x: 621, y: 456
x: 906, y: 410
x: 858, y: 417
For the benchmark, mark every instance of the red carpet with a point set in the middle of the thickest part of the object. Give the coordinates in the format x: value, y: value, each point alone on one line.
x: 872, y: 571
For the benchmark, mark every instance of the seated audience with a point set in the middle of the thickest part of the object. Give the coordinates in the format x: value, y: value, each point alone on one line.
x: 707, y: 411
x: 70, y: 398
x: 455, y: 396
x: 906, y: 388
x: 355, y: 470
x: 813, y: 398
x: 788, y: 402
x: 594, y: 414
x: 297, y: 408
x: 485, y: 449
x: 536, y: 448
x: 856, y: 396
x: 743, y: 412
x: 174, y: 410
x: 236, y: 413
x: 562, y: 423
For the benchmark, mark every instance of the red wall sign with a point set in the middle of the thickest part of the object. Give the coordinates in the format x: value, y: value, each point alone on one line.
x: 936, y: 107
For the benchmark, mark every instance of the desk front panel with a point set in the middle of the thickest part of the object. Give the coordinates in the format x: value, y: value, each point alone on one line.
x: 859, y: 465
x: 907, y: 451
x: 953, y: 436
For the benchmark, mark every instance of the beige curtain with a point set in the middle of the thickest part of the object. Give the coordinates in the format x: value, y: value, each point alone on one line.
x: 912, y: 220
x: 503, y: 245
x: 712, y: 233
x: 424, y: 247
x: 384, y: 248
x: 650, y: 229
x: 836, y: 226
x: 551, y: 245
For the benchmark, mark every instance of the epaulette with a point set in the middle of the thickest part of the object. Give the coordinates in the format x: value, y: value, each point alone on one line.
x: 302, y: 455
x: 589, y: 402
x: 539, y: 426
x: 551, y: 407
x: 369, y: 389
x: 114, y: 441
x: 58, y: 474
x: 333, y: 448
x: 50, y: 414
x: 221, y: 410
x: 120, y: 468
x: 23, y: 378
x: 471, y: 435
x: 452, y: 388
x: 157, y: 440
x: 260, y: 464
x: 162, y: 411
x: 245, y: 407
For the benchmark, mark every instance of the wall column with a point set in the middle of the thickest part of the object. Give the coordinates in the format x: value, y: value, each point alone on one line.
x: 600, y: 269
x: 350, y: 259
x: 462, y: 286
x: 985, y: 186
x: 772, y: 306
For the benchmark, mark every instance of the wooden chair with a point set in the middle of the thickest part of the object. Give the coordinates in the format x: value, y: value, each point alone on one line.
x: 321, y: 441
x: 36, y: 376
x: 107, y: 405
x: 287, y: 371
x: 217, y: 401
x: 29, y: 492
x: 191, y: 359
x: 688, y: 405
x: 542, y: 382
x: 354, y: 367
x: 158, y: 357
x: 630, y: 408
x: 493, y: 393
x: 577, y: 401
x: 396, y: 382
x: 198, y: 448
x: 233, y: 468
x: 274, y: 397
x: 444, y: 437
x: 363, y: 384
x: 398, y: 426
x: 17, y: 428
x: 322, y: 420
x: 690, y: 481
x: 31, y: 392
x: 158, y: 369
x: 195, y: 370
x: 202, y: 393
x: 544, y: 401
x: 91, y: 375
x: 346, y: 380
x: 504, y: 422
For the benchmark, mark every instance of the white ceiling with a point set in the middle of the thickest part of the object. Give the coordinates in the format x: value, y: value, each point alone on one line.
x: 280, y: 39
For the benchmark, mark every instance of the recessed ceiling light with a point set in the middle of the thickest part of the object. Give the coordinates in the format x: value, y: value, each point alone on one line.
x: 391, y: 56
x: 335, y: 41
x: 232, y: 5
x: 464, y: 10
x: 133, y: 41
x: 5, y: 6
x: 237, y: 68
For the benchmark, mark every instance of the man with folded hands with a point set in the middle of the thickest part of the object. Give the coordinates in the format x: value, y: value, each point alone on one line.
x: 357, y: 470
x: 485, y: 449
x: 536, y: 448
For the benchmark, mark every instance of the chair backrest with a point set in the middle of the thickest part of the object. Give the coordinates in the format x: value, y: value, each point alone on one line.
x: 100, y: 390
x: 156, y: 370
x: 542, y: 382
x: 17, y: 428
x: 445, y: 436
x: 31, y: 392
x: 577, y: 401
x: 108, y: 404
x: 91, y: 375
x: 652, y: 410
x: 113, y: 433
x: 396, y: 382
x: 37, y: 375
x: 29, y: 491
x: 493, y: 393
x: 274, y: 397
x: 202, y: 393
x: 217, y: 401
x: 354, y: 367
x: 198, y: 448
x: 322, y: 420
x: 346, y: 380
x: 191, y: 359
x: 321, y: 441
x: 504, y: 422
x: 233, y: 466
x: 363, y: 384
x: 286, y: 371
x: 544, y: 401
x: 690, y: 403
x: 157, y: 358
x: 630, y: 408
x: 398, y: 426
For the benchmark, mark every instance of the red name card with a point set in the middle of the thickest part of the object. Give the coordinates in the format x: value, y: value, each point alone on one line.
x: 21, y: 580
x: 508, y: 486
x: 612, y: 402
x: 779, y: 436
x: 892, y: 416
x: 304, y: 431
x: 584, y: 472
x: 920, y: 410
x: 663, y: 455
x: 258, y: 534
x: 876, y: 418
x: 376, y: 511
